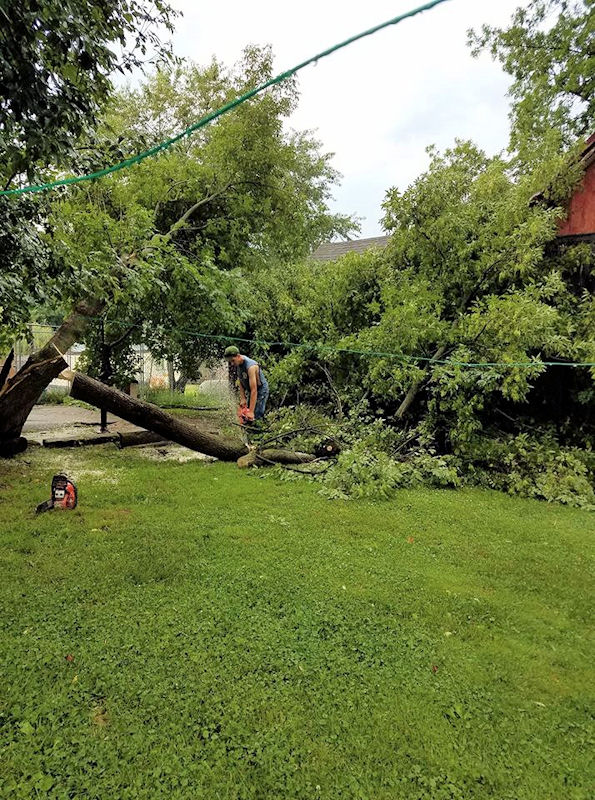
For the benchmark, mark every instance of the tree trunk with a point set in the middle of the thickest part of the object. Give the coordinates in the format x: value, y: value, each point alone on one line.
x: 151, y: 417
x: 171, y: 377
x: 20, y: 393
x: 414, y: 388
x: 180, y: 383
x: 5, y: 371
x: 177, y: 430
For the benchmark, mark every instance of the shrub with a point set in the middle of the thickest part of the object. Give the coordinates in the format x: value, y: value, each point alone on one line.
x: 54, y: 396
x: 539, y: 468
x: 363, y: 473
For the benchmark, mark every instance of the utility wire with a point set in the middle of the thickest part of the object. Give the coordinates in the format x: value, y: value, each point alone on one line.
x: 158, y: 148
x: 371, y: 353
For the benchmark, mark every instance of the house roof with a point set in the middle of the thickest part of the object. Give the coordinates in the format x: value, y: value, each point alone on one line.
x: 588, y: 154
x: 329, y: 251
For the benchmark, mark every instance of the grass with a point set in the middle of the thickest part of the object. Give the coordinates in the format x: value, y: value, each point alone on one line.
x: 60, y: 397
x: 193, y: 396
x: 192, y: 631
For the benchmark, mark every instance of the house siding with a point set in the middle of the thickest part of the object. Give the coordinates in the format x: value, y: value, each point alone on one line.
x: 581, y: 211
x: 580, y: 220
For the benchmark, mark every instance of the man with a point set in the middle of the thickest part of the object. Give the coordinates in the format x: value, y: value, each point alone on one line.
x: 254, y: 389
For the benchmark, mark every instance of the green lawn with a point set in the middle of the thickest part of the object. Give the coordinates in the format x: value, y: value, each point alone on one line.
x: 193, y: 631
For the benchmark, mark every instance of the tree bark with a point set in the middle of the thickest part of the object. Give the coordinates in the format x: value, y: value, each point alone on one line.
x: 5, y: 371
x: 257, y: 458
x: 171, y: 377
x: 151, y: 417
x: 134, y: 438
x: 285, y: 456
x: 20, y: 393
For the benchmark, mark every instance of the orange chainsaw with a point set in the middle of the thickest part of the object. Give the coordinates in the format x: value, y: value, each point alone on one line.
x: 243, y: 415
x: 64, y: 495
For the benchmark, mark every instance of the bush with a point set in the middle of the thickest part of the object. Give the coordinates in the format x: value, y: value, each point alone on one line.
x: 56, y: 396
x: 539, y: 468
x: 363, y: 474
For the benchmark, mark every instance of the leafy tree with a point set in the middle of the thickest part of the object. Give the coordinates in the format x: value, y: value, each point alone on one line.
x: 217, y: 206
x: 549, y: 50
x: 469, y: 276
x: 56, y: 63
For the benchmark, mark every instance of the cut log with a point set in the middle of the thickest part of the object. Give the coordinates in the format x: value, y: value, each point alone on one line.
x: 286, y: 456
x: 134, y: 438
x: 153, y: 418
x: 256, y: 458
x: 79, y: 441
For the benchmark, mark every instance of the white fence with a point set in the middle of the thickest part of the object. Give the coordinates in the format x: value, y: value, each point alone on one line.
x: 150, y: 371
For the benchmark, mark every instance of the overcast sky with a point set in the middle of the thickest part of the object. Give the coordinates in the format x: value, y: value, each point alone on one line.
x: 380, y: 102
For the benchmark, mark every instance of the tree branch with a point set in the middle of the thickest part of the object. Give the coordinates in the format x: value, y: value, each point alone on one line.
x: 180, y: 222
x: 415, y: 387
x: 124, y: 336
x: 333, y: 390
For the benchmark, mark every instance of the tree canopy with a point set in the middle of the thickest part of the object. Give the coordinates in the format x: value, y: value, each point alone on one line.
x: 470, y: 277
x: 170, y: 242
x: 549, y: 50
x: 56, y: 62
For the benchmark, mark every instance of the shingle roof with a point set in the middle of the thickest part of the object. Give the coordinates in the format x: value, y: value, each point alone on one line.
x: 329, y: 251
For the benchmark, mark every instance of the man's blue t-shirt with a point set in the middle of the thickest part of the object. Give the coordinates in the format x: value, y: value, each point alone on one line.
x: 244, y: 378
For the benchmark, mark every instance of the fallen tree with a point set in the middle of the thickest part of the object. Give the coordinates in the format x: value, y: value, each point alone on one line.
x: 154, y: 419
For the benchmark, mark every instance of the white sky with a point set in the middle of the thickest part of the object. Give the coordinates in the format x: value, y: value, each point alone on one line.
x: 378, y: 103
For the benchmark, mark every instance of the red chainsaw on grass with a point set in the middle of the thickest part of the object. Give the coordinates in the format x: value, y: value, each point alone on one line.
x: 64, y: 495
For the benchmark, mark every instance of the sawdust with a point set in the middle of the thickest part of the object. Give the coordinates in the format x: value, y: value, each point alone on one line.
x: 172, y: 452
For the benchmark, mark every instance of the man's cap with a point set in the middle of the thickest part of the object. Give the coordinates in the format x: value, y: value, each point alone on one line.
x: 231, y: 351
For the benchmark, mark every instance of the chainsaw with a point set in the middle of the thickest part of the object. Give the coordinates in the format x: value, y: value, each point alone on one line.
x: 64, y: 495
x: 243, y: 417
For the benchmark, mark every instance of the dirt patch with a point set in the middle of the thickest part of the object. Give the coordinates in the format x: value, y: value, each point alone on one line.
x: 99, y: 715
